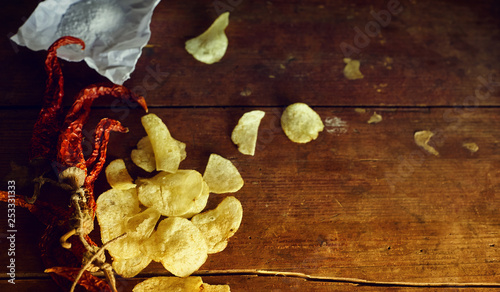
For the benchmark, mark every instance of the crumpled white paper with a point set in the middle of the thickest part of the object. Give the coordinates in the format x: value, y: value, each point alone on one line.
x: 114, y: 32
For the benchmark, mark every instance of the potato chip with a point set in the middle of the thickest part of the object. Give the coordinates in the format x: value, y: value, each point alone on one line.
x: 199, y: 203
x: 301, y: 123
x: 215, y: 288
x: 179, y: 245
x: 220, y: 224
x: 422, y: 139
x: 168, y: 152
x: 114, y: 207
x: 173, y: 194
x: 129, y: 268
x: 245, y: 133
x: 351, y: 69
x: 117, y: 175
x: 210, y: 46
x: 222, y: 176
x: 169, y: 284
x: 140, y: 226
x: 144, y: 156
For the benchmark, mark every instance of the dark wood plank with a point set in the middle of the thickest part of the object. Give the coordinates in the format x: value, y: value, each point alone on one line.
x: 286, y: 51
x: 361, y: 201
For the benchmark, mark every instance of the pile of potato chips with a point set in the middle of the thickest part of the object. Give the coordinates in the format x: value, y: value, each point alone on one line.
x: 184, y: 237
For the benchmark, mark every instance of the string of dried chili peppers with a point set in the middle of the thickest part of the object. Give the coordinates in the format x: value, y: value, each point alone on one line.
x: 65, y: 244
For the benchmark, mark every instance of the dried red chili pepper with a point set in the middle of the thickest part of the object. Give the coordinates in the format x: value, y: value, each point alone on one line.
x: 48, y: 125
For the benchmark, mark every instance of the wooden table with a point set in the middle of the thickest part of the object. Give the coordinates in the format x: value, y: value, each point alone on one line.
x: 362, y: 201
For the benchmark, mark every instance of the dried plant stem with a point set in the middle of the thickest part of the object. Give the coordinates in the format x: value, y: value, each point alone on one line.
x: 94, y: 257
x: 354, y: 281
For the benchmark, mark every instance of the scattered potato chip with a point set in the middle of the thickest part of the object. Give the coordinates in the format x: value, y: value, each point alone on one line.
x: 140, y: 226
x: 169, y: 284
x: 471, y: 146
x: 129, y: 268
x: 173, y: 194
x: 168, y: 152
x: 245, y: 133
x: 222, y: 176
x: 422, y: 139
x: 351, y: 69
x: 215, y: 288
x: 179, y: 245
x: 301, y: 123
x: 117, y: 175
x: 375, y: 118
x: 113, y: 208
x: 144, y: 156
x: 210, y: 46
x: 220, y: 224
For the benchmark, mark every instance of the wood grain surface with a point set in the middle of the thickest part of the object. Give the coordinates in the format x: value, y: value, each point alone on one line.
x: 363, y: 200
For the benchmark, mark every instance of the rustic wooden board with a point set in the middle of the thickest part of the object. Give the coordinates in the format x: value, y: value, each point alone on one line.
x: 361, y: 201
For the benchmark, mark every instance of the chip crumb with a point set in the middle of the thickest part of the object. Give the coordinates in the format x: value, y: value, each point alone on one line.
x: 351, y: 69
x: 471, y: 146
x: 360, y: 110
x: 375, y: 118
x: 422, y: 139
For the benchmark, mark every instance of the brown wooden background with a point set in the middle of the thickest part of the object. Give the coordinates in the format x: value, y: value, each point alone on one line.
x: 362, y: 201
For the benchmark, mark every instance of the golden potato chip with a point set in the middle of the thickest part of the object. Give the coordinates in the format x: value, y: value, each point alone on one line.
x: 219, y: 224
x: 114, y: 207
x: 351, y: 69
x: 301, y: 123
x: 140, y: 226
x: 210, y: 46
x: 117, y: 175
x: 222, y: 176
x: 144, y: 156
x: 129, y: 268
x: 179, y: 245
x: 199, y: 203
x: 245, y: 133
x: 215, y: 288
x: 168, y: 152
x: 173, y: 194
x: 422, y: 139
x: 169, y: 284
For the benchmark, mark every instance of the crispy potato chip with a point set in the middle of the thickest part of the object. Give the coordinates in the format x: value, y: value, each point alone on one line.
x: 245, y: 133
x: 351, y: 69
x: 117, y: 175
x: 199, y: 203
x: 173, y: 194
x: 169, y: 284
x: 113, y: 208
x: 168, y: 152
x: 215, y: 288
x: 222, y: 176
x: 140, y: 226
x: 422, y: 139
x: 144, y: 156
x: 179, y: 245
x: 210, y: 46
x: 219, y: 224
x: 301, y: 123
x: 129, y: 268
